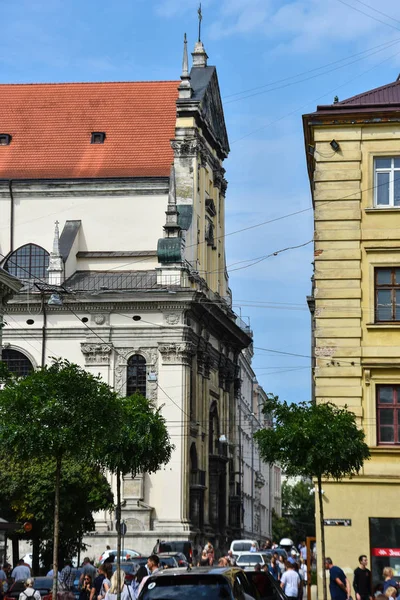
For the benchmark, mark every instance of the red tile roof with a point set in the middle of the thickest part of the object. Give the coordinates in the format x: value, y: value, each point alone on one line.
x: 51, y: 126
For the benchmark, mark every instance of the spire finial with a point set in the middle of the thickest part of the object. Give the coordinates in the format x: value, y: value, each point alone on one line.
x: 56, y: 265
x: 185, y: 89
x: 200, y: 20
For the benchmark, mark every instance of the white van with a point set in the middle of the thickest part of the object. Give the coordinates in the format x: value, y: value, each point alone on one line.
x: 242, y: 545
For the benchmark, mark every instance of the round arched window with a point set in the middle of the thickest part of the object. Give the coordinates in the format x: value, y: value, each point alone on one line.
x: 136, y: 375
x: 16, y: 362
x: 28, y: 262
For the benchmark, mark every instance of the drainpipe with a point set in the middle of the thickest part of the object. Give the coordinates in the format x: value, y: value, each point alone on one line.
x: 10, y: 190
x: 44, y: 331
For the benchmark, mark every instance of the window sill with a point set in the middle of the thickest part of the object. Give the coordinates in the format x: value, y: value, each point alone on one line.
x: 394, y: 325
x: 375, y: 209
x: 384, y: 448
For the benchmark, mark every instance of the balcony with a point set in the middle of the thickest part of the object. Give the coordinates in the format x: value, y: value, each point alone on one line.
x: 197, y: 478
x: 221, y: 449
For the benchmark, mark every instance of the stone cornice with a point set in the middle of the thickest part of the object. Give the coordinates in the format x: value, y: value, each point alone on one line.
x: 140, y: 186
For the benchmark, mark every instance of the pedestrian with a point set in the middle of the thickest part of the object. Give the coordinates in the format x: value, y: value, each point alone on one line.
x: 103, y: 576
x: 281, y: 564
x: 362, y: 580
x: 253, y: 547
x: 274, y: 569
x: 30, y: 591
x: 231, y: 559
x: 339, y: 586
x: 223, y: 562
x: 209, y: 550
x: 87, y: 569
x: 86, y: 588
x: 290, y: 580
x: 153, y: 565
x: 118, y: 586
x: 67, y: 576
x: 260, y: 580
x: 303, y: 551
x: 204, y: 561
x: 21, y: 572
x: 142, y: 572
x: 388, y: 575
x: 391, y: 592
x: 303, y: 570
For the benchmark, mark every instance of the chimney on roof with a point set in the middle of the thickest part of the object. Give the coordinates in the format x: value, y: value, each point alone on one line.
x: 185, y: 89
x: 56, y: 266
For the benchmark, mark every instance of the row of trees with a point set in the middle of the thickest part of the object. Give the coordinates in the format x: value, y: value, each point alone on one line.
x: 319, y: 441
x: 298, y: 512
x: 60, y: 422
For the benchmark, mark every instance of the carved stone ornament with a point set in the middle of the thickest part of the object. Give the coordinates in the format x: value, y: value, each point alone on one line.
x: 172, y: 318
x: 177, y: 354
x: 121, y: 364
x: 96, y: 354
x: 99, y: 318
x: 185, y: 147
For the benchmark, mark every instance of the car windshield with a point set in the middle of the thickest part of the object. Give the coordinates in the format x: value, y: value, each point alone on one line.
x: 242, y: 546
x: 252, y: 559
x: 186, y: 588
x: 167, y: 561
x: 128, y: 568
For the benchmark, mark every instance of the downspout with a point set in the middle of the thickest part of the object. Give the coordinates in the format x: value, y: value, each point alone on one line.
x: 10, y: 190
x: 44, y: 332
x: 252, y: 456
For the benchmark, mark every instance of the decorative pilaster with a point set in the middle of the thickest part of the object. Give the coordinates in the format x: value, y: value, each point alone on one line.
x: 177, y: 354
x: 96, y: 354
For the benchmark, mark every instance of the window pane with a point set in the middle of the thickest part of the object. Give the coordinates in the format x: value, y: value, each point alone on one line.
x: 397, y: 163
x: 382, y: 189
x: 397, y: 307
x: 386, y: 434
x: 383, y: 276
x: 386, y: 416
x: 397, y: 276
x: 384, y: 305
x: 397, y: 188
x: 385, y: 394
x: 383, y: 163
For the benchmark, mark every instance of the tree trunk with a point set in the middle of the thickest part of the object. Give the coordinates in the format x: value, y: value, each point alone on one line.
x: 56, y: 527
x: 321, y: 520
x: 15, y: 549
x: 35, y: 556
x: 118, y: 519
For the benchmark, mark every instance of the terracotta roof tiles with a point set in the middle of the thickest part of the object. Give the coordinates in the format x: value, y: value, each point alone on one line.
x: 51, y: 126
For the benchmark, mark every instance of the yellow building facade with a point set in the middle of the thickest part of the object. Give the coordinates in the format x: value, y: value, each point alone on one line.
x: 353, y: 158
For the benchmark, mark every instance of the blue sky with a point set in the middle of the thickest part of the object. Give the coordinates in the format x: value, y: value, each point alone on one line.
x: 319, y: 50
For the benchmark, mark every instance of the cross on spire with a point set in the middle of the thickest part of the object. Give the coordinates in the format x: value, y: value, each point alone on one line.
x: 200, y: 20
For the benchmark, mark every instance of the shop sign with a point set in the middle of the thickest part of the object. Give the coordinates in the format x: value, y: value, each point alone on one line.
x: 385, y: 552
x: 337, y: 522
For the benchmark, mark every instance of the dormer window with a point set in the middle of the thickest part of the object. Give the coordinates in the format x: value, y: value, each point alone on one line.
x: 5, y: 139
x: 98, y: 137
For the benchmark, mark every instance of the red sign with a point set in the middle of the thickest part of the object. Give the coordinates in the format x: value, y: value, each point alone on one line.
x: 385, y: 552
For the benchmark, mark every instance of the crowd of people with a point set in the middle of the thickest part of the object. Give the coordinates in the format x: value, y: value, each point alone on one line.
x: 340, y: 588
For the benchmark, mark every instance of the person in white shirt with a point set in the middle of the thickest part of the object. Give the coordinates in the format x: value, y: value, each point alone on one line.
x: 118, y: 585
x: 30, y: 591
x: 290, y: 580
x: 21, y: 572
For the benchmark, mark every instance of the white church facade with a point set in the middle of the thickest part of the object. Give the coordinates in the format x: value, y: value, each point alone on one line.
x: 112, y: 212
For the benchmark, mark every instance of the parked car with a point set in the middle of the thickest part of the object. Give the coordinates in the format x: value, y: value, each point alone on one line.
x: 280, y: 551
x: 242, y: 545
x: 124, y: 554
x: 270, y: 588
x: 247, y: 560
x: 130, y: 567
x: 184, y: 546
x: 173, y: 559
x: 211, y: 583
x: 42, y: 584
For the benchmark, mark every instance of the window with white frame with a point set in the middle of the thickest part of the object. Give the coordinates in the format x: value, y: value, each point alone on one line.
x: 387, y: 181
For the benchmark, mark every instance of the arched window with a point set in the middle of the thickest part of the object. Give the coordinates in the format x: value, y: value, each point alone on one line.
x: 136, y: 375
x: 16, y: 362
x: 28, y: 262
x: 193, y: 457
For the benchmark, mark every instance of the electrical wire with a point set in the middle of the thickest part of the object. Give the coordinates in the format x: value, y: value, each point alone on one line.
x: 378, y: 11
x: 370, y: 16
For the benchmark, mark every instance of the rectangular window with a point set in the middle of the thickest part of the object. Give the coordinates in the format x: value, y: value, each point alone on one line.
x: 388, y: 414
x: 387, y: 182
x: 387, y: 294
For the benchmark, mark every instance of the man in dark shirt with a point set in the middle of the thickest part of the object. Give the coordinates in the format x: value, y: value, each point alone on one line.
x: 362, y: 580
x: 338, y: 586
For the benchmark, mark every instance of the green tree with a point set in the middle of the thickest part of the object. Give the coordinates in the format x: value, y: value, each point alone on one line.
x: 298, y: 506
x: 59, y: 411
x: 313, y: 440
x: 140, y: 444
x: 27, y: 494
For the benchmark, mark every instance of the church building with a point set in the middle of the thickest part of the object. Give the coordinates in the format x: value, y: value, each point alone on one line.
x: 112, y: 212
